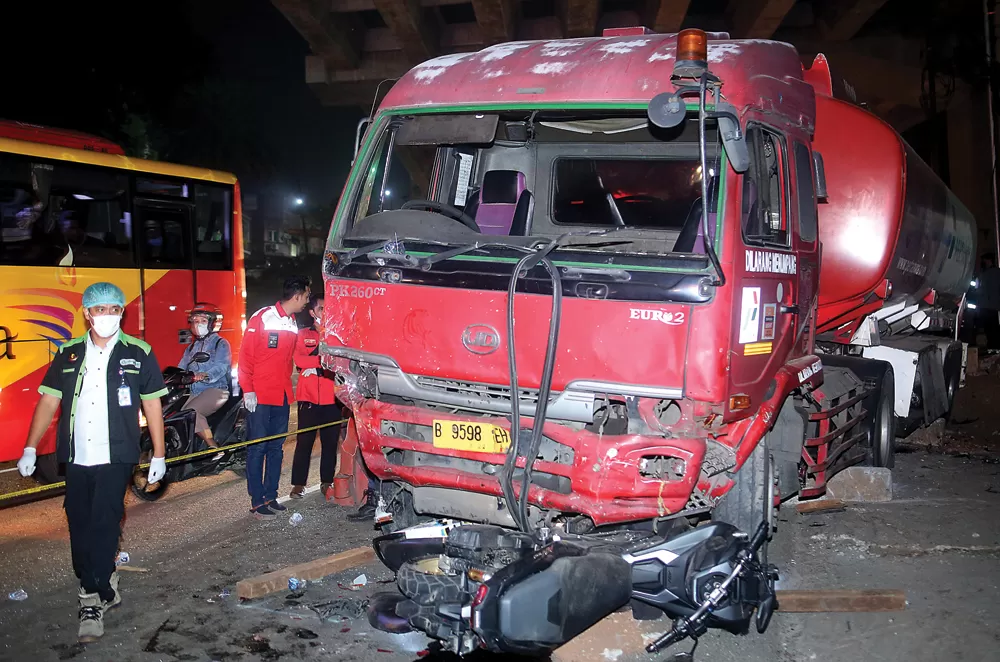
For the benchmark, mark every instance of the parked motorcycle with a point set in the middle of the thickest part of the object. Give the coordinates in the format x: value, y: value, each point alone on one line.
x: 228, y: 426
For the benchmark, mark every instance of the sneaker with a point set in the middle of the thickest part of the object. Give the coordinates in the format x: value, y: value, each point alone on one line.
x: 117, y: 600
x: 91, y: 617
x: 263, y: 512
x: 274, y: 505
x: 367, y: 509
x: 326, y: 489
x: 297, y: 492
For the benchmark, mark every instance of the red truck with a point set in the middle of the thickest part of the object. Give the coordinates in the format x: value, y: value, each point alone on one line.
x: 599, y: 305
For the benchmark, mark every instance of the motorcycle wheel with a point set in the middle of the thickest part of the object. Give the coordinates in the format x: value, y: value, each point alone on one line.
x: 139, y: 486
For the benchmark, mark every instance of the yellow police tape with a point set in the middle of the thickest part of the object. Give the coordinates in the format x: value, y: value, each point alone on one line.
x: 182, y: 458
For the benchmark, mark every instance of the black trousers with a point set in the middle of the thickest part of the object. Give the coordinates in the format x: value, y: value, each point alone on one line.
x: 309, y: 415
x: 95, y: 505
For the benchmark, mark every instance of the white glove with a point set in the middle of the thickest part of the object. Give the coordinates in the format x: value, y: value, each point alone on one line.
x: 26, y: 465
x: 250, y: 401
x: 308, y: 372
x: 157, y: 470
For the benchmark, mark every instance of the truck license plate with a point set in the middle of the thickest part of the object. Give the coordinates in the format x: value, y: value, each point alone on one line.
x: 474, y: 437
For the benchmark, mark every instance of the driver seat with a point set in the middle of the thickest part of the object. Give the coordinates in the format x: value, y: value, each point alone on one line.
x: 503, y: 205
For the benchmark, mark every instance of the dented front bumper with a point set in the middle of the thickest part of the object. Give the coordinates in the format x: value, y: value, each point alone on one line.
x: 609, y: 478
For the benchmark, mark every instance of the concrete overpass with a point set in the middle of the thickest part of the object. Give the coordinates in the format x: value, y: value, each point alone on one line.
x: 358, y: 47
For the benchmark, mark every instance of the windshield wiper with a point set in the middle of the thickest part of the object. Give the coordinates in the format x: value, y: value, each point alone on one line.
x: 427, y: 262
x: 378, y: 251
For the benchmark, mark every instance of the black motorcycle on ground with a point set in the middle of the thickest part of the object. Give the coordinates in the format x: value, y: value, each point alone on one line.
x: 228, y: 426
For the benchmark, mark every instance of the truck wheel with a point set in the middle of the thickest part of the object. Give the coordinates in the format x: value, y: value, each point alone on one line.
x: 882, y: 432
x: 952, y: 377
x: 752, y: 499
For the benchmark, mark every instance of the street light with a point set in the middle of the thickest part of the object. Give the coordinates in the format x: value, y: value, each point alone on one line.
x: 299, y: 202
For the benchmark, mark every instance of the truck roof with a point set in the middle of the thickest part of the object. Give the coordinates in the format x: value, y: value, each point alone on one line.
x: 620, y: 69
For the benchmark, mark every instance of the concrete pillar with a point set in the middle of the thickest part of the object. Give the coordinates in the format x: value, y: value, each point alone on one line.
x: 969, y: 163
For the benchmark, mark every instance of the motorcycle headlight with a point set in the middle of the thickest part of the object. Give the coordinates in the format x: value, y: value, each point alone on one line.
x: 142, y: 419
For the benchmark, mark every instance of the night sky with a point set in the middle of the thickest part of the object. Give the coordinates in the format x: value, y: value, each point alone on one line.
x: 216, y: 83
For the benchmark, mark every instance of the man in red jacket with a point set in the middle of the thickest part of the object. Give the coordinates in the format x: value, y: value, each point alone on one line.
x: 317, y: 405
x: 265, y: 374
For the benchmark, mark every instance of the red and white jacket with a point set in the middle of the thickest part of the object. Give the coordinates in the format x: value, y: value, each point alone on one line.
x: 318, y: 387
x: 265, y: 364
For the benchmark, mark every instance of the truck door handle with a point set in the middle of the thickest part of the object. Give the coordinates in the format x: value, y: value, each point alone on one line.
x: 792, y: 309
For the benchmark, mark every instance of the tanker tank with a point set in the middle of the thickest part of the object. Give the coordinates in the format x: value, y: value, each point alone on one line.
x: 886, y: 216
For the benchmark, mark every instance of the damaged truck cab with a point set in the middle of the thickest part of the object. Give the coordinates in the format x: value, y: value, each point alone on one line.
x: 576, y: 304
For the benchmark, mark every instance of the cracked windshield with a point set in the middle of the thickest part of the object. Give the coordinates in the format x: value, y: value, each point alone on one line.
x: 522, y: 179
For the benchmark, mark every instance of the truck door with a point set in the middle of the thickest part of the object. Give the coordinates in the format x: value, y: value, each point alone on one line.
x: 766, y: 272
x: 807, y: 246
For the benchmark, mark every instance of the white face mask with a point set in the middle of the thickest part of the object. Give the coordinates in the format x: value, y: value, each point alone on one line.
x: 201, y: 330
x: 106, y: 325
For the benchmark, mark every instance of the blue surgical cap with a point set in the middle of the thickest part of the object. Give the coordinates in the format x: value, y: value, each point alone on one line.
x: 103, y: 294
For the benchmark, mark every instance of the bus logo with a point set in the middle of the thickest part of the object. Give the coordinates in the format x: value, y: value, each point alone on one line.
x: 481, y: 339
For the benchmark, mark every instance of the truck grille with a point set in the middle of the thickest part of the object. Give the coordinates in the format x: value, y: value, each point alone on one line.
x: 499, y: 394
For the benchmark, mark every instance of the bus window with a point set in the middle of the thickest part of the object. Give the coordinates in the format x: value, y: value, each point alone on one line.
x: 213, y: 213
x: 164, y: 236
x: 63, y: 214
x: 161, y: 187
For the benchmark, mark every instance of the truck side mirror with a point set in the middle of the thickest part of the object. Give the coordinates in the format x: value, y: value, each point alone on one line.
x: 359, y: 132
x: 820, y: 176
x: 667, y: 110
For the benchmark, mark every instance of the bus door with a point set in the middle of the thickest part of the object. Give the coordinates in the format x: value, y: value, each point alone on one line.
x: 163, y: 228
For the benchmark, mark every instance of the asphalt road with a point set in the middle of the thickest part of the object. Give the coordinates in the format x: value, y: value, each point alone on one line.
x: 938, y: 539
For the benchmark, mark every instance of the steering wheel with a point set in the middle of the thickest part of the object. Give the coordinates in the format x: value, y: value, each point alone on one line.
x: 444, y: 209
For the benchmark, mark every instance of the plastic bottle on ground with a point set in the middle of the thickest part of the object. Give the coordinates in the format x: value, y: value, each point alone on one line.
x: 18, y: 595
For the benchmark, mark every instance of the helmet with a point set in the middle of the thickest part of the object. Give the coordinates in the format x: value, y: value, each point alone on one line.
x: 212, y: 312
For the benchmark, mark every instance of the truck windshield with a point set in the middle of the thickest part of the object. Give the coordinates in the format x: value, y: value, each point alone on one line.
x: 526, y: 177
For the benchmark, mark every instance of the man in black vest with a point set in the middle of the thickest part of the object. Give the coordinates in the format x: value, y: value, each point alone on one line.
x: 99, y: 380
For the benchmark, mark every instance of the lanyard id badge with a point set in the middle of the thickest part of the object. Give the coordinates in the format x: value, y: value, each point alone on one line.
x: 124, y: 392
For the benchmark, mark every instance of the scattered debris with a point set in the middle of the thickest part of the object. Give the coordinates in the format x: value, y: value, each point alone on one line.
x: 122, y: 559
x: 360, y: 580
x: 132, y: 568
x: 18, y: 595
x: 303, y: 633
x: 295, y: 519
x: 295, y: 584
x: 613, y: 654
x: 340, y: 609
x: 225, y: 593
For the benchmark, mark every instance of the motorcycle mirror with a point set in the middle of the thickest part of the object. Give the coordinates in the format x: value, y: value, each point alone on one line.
x: 201, y: 357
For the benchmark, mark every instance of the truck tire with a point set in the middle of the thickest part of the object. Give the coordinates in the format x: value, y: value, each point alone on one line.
x: 882, y: 431
x: 952, y: 377
x: 752, y: 498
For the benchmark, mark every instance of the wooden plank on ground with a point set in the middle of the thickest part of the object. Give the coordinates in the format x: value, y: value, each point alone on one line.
x: 840, y: 601
x: 272, y: 582
x: 620, y: 632
x: 820, y: 505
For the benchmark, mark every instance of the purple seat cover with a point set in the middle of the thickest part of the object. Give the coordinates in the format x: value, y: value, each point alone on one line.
x: 498, y: 200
